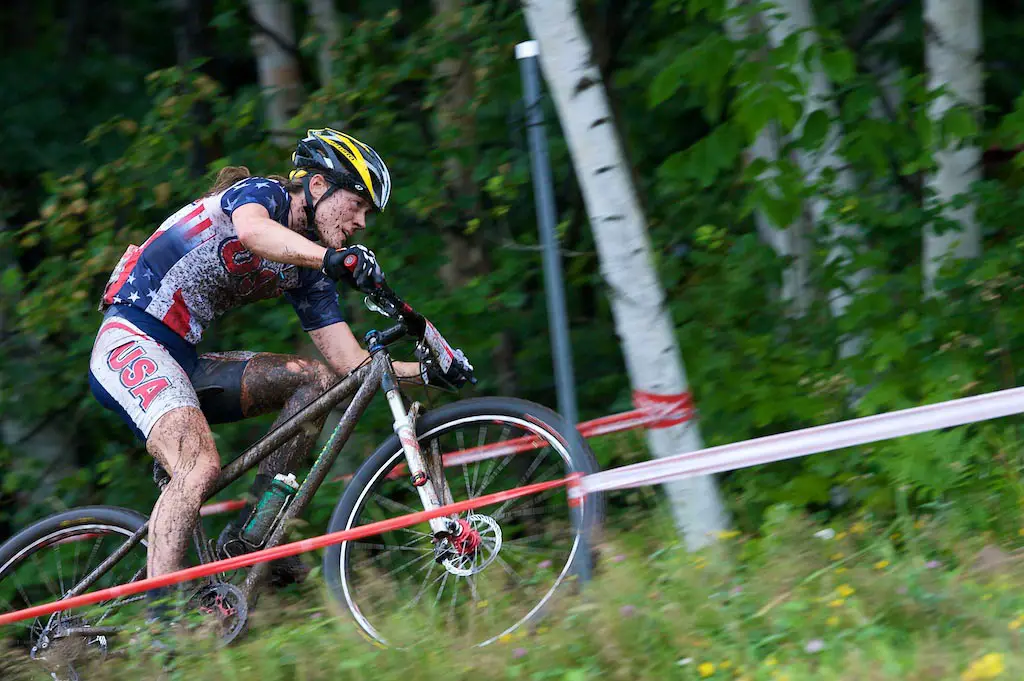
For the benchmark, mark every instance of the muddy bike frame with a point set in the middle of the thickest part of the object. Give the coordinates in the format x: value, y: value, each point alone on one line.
x: 361, y: 385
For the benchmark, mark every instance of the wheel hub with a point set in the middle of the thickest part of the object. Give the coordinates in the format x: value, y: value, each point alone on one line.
x: 473, y: 545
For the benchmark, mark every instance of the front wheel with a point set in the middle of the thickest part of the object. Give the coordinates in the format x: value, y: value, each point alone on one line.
x: 509, y: 558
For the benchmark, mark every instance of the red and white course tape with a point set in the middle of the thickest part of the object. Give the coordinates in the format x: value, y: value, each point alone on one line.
x: 814, y: 440
x: 703, y: 462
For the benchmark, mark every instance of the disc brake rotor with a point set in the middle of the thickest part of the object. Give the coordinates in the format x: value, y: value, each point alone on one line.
x: 469, y: 557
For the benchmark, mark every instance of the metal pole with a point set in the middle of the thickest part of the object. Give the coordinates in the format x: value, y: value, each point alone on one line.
x: 554, y: 287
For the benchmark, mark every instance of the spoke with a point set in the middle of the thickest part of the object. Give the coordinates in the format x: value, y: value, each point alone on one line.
x: 42, y: 574
x: 426, y: 584
x: 388, y: 549
x: 451, y: 605
x: 394, y: 505
x: 92, y: 554
x: 21, y: 590
x: 417, y: 559
x: 461, y: 440
x: 508, y: 568
x: 481, y: 439
x: 444, y: 580
x: 531, y: 549
x: 494, y: 462
x: 523, y: 513
x: 74, y: 575
x: 60, y: 572
x: 532, y: 501
x: 472, y: 585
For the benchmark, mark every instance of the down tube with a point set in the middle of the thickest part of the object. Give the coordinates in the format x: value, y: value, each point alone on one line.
x: 319, y: 471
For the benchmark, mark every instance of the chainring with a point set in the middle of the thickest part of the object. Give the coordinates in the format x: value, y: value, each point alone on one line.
x: 224, y: 604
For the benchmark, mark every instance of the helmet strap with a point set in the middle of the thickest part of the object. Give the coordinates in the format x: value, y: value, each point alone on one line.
x: 311, y: 205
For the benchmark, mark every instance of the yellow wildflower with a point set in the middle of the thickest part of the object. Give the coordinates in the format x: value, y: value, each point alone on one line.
x: 770, y: 661
x: 728, y: 534
x: 845, y: 590
x: 987, y: 666
x: 836, y: 556
x: 505, y: 638
x: 840, y: 570
x: 1021, y: 531
x: 881, y: 565
x: 837, y: 603
x: 706, y: 669
x: 840, y: 536
x: 858, y: 527
x: 482, y: 604
x: 832, y: 621
x: 1014, y: 625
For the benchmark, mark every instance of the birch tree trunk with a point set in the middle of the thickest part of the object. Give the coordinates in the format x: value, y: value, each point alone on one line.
x: 325, y: 22
x: 952, y: 50
x: 790, y: 242
x: 638, y: 302
x: 279, y: 75
x: 798, y: 18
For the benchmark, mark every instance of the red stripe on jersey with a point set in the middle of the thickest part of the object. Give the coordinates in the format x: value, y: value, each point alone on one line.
x: 178, y: 317
x: 195, y: 212
x: 118, y: 325
x: 130, y: 264
x: 198, y: 228
x: 125, y: 273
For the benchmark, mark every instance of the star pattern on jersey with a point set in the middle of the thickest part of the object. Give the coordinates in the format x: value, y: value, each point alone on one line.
x: 270, y: 195
x: 138, y: 296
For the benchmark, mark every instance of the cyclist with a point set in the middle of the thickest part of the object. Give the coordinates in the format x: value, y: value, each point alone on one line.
x: 248, y: 238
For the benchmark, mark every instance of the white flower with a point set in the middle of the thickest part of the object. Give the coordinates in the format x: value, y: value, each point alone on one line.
x: 827, y: 533
x: 685, y: 661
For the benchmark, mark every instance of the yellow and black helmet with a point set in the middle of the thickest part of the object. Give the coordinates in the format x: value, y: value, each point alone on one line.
x: 346, y: 162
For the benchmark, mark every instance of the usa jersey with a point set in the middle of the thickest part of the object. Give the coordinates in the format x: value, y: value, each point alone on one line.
x: 194, y: 269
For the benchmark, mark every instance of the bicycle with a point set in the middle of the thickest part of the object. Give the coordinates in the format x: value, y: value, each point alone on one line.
x: 398, y: 585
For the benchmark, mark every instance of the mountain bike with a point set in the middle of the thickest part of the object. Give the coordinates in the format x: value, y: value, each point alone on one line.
x: 475, y: 577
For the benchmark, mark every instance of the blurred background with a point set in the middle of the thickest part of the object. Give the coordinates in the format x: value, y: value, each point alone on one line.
x: 831, y: 191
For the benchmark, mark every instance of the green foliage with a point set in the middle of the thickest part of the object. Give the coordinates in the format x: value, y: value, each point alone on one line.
x: 870, y: 602
x: 689, y: 99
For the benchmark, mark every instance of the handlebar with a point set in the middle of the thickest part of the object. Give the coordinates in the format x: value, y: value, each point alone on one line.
x: 415, y: 324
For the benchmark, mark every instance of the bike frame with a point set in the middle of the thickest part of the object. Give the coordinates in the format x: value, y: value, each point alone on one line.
x: 360, y: 385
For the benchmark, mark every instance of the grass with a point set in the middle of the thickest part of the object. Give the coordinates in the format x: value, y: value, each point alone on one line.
x: 868, y: 603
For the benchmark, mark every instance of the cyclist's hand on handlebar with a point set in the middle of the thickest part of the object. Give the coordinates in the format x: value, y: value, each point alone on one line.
x: 356, y: 266
x: 459, y: 372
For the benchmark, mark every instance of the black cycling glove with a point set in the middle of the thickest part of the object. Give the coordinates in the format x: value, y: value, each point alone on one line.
x: 459, y: 372
x: 356, y: 266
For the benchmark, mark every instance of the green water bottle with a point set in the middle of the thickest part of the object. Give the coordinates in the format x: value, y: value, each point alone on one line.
x: 269, y: 507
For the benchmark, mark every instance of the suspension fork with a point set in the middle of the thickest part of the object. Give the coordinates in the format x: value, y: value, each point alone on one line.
x: 431, y: 486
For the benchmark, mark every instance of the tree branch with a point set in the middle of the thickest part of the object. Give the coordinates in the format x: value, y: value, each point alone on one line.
x: 872, y: 23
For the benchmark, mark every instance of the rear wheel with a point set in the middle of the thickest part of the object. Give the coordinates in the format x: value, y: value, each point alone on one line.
x: 45, y: 560
x: 502, y: 564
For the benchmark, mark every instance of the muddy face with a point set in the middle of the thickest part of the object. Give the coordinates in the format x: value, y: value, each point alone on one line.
x: 340, y: 216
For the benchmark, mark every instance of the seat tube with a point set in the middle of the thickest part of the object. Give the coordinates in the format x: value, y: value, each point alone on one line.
x: 406, y: 433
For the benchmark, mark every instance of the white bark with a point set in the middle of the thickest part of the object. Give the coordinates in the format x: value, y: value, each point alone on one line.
x: 325, y: 22
x: 952, y: 49
x: 797, y: 17
x: 790, y: 242
x: 279, y: 75
x: 638, y: 302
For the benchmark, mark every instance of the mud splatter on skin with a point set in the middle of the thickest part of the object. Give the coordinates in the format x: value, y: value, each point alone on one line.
x: 283, y: 382
x: 182, y: 443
